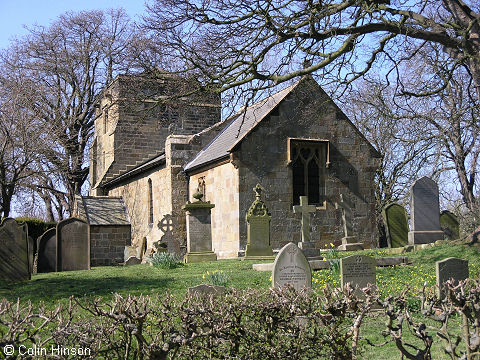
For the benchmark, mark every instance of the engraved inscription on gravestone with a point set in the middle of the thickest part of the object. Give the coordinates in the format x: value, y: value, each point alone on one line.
x: 291, y: 267
x: 358, y: 270
x: 73, y: 245
x: 450, y: 268
x: 14, y: 251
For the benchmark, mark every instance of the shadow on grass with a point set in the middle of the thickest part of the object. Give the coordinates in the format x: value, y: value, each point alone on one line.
x: 62, y: 287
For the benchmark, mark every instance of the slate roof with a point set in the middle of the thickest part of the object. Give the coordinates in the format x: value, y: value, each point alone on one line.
x: 102, y: 210
x: 241, y: 124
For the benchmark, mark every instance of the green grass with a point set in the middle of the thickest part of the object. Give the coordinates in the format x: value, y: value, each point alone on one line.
x: 54, y: 288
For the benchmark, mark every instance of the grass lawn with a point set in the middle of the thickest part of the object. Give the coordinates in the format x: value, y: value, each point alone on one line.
x: 54, y: 288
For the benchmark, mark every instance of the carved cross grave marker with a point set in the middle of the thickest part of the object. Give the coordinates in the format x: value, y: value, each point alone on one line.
x: 305, y: 210
x: 349, y: 241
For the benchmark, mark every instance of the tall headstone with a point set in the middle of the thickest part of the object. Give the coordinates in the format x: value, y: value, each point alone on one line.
x: 450, y: 268
x: 358, y: 270
x: 395, y: 219
x: 47, y: 251
x: 291, y: 267
x: 199, y: 231
x: 425, y: 212
x: 349, y: 241
x: 14, y: 251
x: 258, y: 229
x: 449, y: 224
x: 73, y: 245
x: 307, y: 245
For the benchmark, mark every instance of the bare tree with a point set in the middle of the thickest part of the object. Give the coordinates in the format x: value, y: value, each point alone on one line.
x: 66, y: 65
x: 233, y: 42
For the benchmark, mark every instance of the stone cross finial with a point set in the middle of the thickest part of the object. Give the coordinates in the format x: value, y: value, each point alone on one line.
x: 347, y: 215
x: 305, y: 210
x: 258, y: 191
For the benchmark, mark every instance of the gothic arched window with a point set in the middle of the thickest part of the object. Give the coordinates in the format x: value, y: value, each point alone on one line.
x: 308, y: 160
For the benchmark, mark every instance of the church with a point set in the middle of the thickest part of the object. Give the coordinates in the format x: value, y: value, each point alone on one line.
x: 150, y: 156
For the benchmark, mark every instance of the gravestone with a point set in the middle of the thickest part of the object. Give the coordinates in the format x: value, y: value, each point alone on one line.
x: 307, y: 245
x: 166, y: 226
x: 73, y: 245
x: 349, y: 241
x: 425, y: 212
x: 291, y: 267
x: 396, y: 225
x: 258, y: 229
x: 207, y: 290
x: 14, y: 251
x: 449, y: 224
x: 47, y: 251
x: 358, y: 270
x: 199, y: 231
x: 450, y: 268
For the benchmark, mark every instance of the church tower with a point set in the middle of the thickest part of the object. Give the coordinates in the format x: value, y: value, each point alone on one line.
x: 134, y: 116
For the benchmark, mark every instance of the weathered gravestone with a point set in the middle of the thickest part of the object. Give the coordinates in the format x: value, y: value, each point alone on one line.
x: 449, y: 224
x: 358, y: 270
x: 47, y: 251
x: 291, y: 267
x: 395, y: 219
x: 307, y: 245
x: 450, y: 268
x: 425, y: 212
x: 14, y: 251
x: 349, y: 241
x: 73, y: 245
x: 199, y: 231
x: 258, y: 229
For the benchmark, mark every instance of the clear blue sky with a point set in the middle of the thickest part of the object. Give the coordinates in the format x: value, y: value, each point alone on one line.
x: 15, y: 14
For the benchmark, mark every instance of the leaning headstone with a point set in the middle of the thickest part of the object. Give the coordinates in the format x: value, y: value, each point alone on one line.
x: 307, y: 245
x: 47, y: 251
x: 130, y: 251
x: 449, y: 224
x: 258, y: 229
x: 14, y: 251
x: 425, y: 212
x: 199, y: 231
x: 395, y: 219
x: 132, y: 260
x: 73, y: 245
x: 358, y: 270
x: 349, y: 241
x: 450, y: 268
x: 291, y: 267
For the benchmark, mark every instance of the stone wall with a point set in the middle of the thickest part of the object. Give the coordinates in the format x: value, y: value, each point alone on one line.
x: 221, y: 189
x: 262, y: 158
x: 132, y: 126
x: 107, y: 244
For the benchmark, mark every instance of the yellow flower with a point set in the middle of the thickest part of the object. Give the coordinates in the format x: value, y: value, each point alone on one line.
x: 331, y: 244
x: 203, y: 276
x: 324, y: 259
x: 270, y: 278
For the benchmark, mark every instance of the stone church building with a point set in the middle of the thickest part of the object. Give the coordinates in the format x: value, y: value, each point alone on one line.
x: 153, y: 156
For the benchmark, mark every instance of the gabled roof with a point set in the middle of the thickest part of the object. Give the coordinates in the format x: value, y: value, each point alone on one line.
x: 241, y: 124
x: 102, y: 210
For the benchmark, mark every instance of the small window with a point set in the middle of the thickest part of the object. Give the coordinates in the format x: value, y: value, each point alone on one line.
x: 308, y: 160
x: 150, y: 202
x: 105, y: 120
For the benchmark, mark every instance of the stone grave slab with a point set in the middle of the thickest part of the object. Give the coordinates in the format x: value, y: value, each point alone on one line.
x: 291, y: 267
x: 258, y: 229
x: 450, y: 268
x: 132, y: 260
x: 14, y: 251
x: 207, y: 290
x: 73, y: 245
x: 425, y: 212
x: 449, y: 224
x: 395, y: 219
x: 358, y: 270
x: 47, y: 251
x: 199, y: 232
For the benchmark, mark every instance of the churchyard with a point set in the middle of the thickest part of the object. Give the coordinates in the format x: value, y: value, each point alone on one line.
x: 52, y: 289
